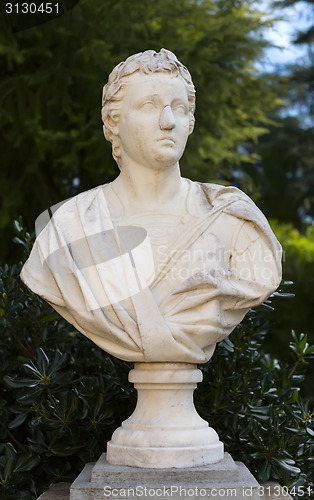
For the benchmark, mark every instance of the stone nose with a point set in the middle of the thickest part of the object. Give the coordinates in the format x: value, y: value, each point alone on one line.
x: 166, y: 121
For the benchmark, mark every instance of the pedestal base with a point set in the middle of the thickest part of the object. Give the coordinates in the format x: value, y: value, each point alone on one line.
x: 165, y: 430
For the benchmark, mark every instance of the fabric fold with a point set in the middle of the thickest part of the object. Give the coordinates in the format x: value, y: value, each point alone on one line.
x: 102, y: 277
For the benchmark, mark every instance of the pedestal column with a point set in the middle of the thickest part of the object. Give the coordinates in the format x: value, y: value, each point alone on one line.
x: 164, y: 430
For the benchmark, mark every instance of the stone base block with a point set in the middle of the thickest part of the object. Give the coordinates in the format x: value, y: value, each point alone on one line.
x: 225, y: 479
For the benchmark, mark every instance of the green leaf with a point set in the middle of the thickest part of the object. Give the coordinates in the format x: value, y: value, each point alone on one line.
x: 18, y: 241
x: 10, y: 457
x: 30, y: 396
x: 58, y: 361
x: 262, y: 417
x: 310, y: 431
x: 21, y: 382
x: 32, y: 369
x: 42, y: 360
x: 65, y: 451
x: 286, y: 465
x: 295, y: 396
x: 8, y: 469
x: 294, y: 430
x: 17, y: 226
x: 26, y: 463
x: 18, y: 420
x: 264, y: 410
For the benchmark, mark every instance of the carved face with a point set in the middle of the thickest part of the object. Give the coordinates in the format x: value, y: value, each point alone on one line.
x: 154, y: 120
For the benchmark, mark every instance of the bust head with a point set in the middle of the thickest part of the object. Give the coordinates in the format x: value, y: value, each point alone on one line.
x: 145, y: 63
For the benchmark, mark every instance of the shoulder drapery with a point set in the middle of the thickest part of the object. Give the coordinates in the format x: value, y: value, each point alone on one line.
x: 101, y: 277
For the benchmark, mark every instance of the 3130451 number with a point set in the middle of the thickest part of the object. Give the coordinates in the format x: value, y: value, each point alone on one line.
x: 31, y: 8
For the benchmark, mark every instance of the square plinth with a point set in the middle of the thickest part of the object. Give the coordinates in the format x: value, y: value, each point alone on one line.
x: 102, y: 471
x: 220, y: 480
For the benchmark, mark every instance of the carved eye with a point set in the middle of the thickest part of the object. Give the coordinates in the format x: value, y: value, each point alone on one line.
x: 180, y: 109
x: 148, y: 105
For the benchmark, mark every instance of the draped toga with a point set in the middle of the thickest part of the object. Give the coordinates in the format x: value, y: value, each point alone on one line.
x: 148, y: 301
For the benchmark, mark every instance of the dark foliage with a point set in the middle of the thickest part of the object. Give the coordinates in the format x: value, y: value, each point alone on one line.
x: 51, y: 78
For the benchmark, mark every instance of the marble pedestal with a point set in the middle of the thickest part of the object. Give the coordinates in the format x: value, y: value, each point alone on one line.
x: 164, y: 430
x: 165, y: 449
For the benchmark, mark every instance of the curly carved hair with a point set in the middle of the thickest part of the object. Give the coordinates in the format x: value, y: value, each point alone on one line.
x: 113, y: 92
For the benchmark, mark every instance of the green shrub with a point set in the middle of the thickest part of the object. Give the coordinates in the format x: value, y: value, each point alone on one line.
x: 297, y: 313
x: 298, y: 266
x: 62, y: 397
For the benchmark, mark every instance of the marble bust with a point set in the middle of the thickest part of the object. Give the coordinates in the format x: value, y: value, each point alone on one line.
x: 199, y: 255
x: 152, y: 267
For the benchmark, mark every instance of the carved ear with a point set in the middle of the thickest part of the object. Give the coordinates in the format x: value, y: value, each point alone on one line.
x: 112, y: 119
